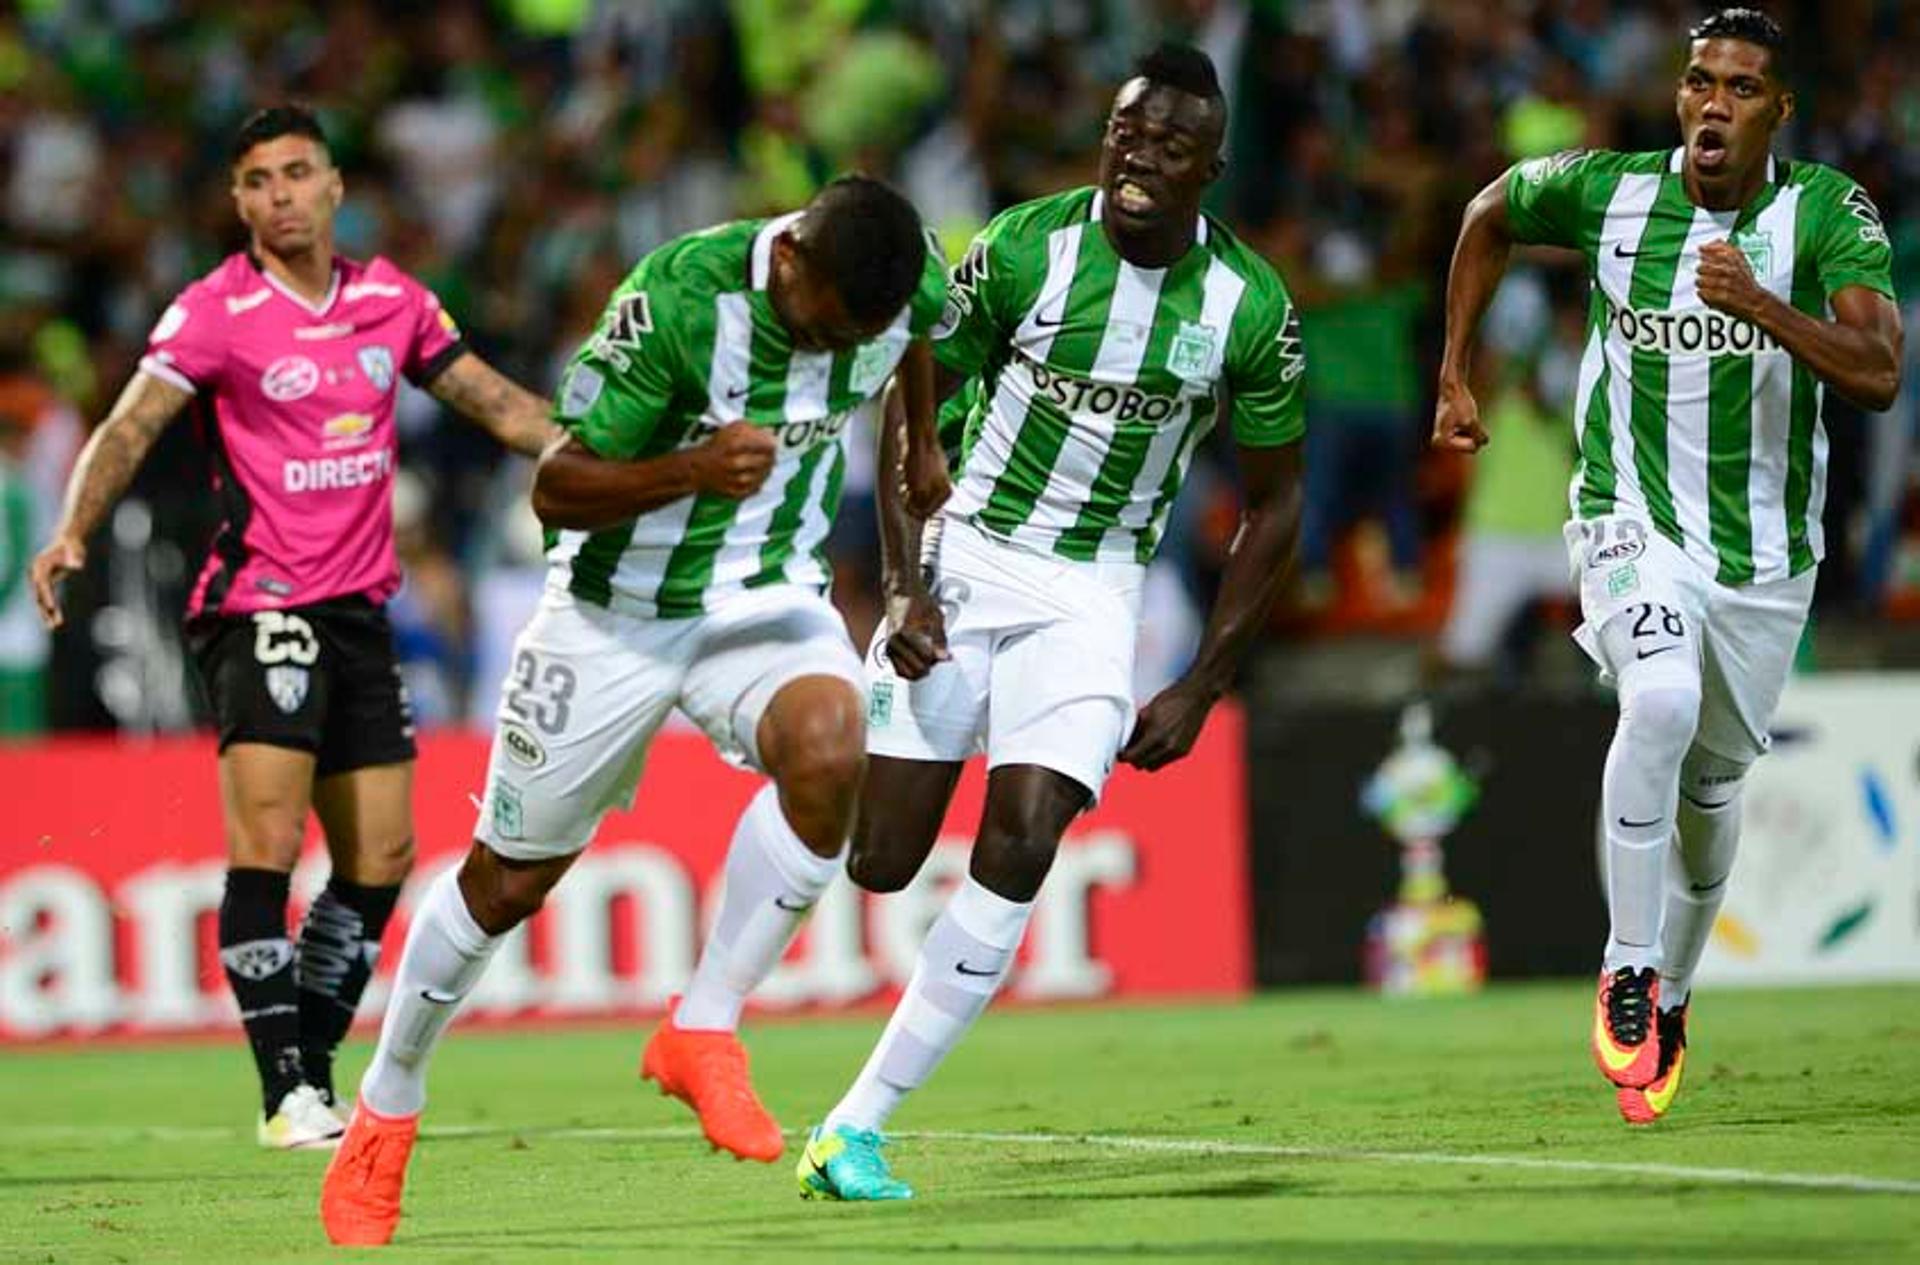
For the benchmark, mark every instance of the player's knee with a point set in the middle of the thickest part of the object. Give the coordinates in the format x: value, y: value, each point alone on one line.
x: 383, y: 863
x: 500, y: 898
x: 1662, y: 717
x: 267, y: 841
x: 1712, y: 782
x: 873, y: 870
x: 510, y: 903
x: 822, y: 750
x: 1014, y: 864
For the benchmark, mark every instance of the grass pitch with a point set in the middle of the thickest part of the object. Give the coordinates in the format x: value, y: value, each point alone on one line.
x: 1308, y: 1126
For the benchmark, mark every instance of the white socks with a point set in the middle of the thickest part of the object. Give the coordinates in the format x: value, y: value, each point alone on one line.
x: 966, y: 956
x: 445, y: 955
x: 772, y: 880
x: 1659, y: 710
x: 1697, y: 879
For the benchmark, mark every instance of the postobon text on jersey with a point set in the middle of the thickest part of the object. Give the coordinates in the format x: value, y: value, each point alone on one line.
x: 1703, y: 332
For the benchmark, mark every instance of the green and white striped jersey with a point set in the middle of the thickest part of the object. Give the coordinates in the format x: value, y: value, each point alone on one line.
x: 689, y: 342
x: 1696, y: 420
x: 1097, y: 379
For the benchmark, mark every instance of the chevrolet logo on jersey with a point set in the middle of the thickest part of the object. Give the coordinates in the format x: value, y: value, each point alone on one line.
x: 1084, y: 397
x: 1702, y: 332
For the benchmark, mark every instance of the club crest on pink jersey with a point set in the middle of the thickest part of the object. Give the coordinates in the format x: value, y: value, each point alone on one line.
x: 376, y: 362
x: 290, y: 378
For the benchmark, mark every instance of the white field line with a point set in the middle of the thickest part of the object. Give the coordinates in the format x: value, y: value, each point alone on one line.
x: 1857, y: 1184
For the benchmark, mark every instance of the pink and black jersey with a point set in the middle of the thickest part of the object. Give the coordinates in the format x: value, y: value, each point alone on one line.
x: 301, y: 400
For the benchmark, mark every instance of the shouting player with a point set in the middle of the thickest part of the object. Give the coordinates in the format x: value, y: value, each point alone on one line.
x: 294, y: 354
x: 1729, y: 286
x: 707, y: 419
x: 1107, y: 327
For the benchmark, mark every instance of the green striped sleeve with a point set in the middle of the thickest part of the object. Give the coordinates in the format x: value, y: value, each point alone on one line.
x: 1850, y: 241
x: 1546, y: 199
x: 624, y: 379
x: 929, y: 301
x: 1266, y: 368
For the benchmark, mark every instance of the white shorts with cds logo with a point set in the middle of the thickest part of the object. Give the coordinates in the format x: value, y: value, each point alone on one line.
x: 588, y: 687
x: 1739, y: 639
x: 1042, y: 666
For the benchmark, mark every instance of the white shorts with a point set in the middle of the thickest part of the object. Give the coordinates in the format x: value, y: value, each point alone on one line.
x: 588, y: 688
x: 1747, y: 635
x: 1042, y: 668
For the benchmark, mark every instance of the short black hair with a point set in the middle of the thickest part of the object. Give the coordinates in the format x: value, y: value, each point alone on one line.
x: 866, y: 239
x: 1750, y: 26
x: 1181, y: 66
x: 276, y: 121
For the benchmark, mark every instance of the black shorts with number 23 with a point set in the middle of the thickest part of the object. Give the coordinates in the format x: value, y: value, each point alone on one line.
x: 322, y: 678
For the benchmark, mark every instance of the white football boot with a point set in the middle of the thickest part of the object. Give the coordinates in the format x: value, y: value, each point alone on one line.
x: 304, y: 1122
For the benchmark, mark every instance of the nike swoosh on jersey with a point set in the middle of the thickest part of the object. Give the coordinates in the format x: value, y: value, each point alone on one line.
x: 1620, y: 253
x: 439, y: 998
x: 781, y: 901
x: 964, y: 969
x: 1648, y: 654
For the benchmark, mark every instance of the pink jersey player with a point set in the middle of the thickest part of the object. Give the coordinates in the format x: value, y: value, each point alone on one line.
x: 302, y: 426
x: 295, y: 354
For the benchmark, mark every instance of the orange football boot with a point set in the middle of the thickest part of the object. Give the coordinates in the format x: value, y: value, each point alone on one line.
x: 708, y: 1072
x: 1649, y: 1103
x: 1626, y: 1042
x: 360, y: 1199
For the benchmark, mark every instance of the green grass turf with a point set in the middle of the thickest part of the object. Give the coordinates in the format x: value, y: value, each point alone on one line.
x: 146, y: 1154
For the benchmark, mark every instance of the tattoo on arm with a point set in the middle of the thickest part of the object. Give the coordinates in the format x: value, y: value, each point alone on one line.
x: 113, y: 454
x: 512, y: 414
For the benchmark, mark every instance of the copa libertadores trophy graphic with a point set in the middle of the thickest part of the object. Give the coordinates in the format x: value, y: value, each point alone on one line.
x: 1428, y: 941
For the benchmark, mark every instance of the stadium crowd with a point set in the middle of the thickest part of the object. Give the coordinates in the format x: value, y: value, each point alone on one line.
x: 519, y: 156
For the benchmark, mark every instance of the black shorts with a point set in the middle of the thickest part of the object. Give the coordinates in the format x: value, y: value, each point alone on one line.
x: 320, y: 678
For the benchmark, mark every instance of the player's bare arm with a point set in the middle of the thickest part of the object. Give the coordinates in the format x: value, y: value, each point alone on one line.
x: 105, y: 468
x: 917, y: 635
x: 1479, y: 261
x: 928, y: 483
x: 1261, y: 559
x: 575, y: 488
x: 1857, y: 353
x: 506, y: 410
x: 910, y: 442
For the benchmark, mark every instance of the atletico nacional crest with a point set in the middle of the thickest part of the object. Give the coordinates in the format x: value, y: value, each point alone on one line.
x: 1758, y: 248
x: 872, y: 362
x: 1191, y: 355
x: 377, y: 363
x: 287, y: 684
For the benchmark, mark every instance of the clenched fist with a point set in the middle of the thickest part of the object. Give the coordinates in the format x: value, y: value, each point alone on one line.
x: 1726, y: 283
x: 917, y: 636
x: 734, y: 461
x: 1456, y: 419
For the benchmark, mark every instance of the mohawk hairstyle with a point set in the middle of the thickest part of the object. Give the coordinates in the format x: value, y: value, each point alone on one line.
x: 867, y: 239
x: 274, y: 122
x: 1180, y: 66
x: 1750, y: 26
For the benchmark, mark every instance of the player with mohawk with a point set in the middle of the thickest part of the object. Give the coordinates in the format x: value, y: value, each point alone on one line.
x: 1107, y: 330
